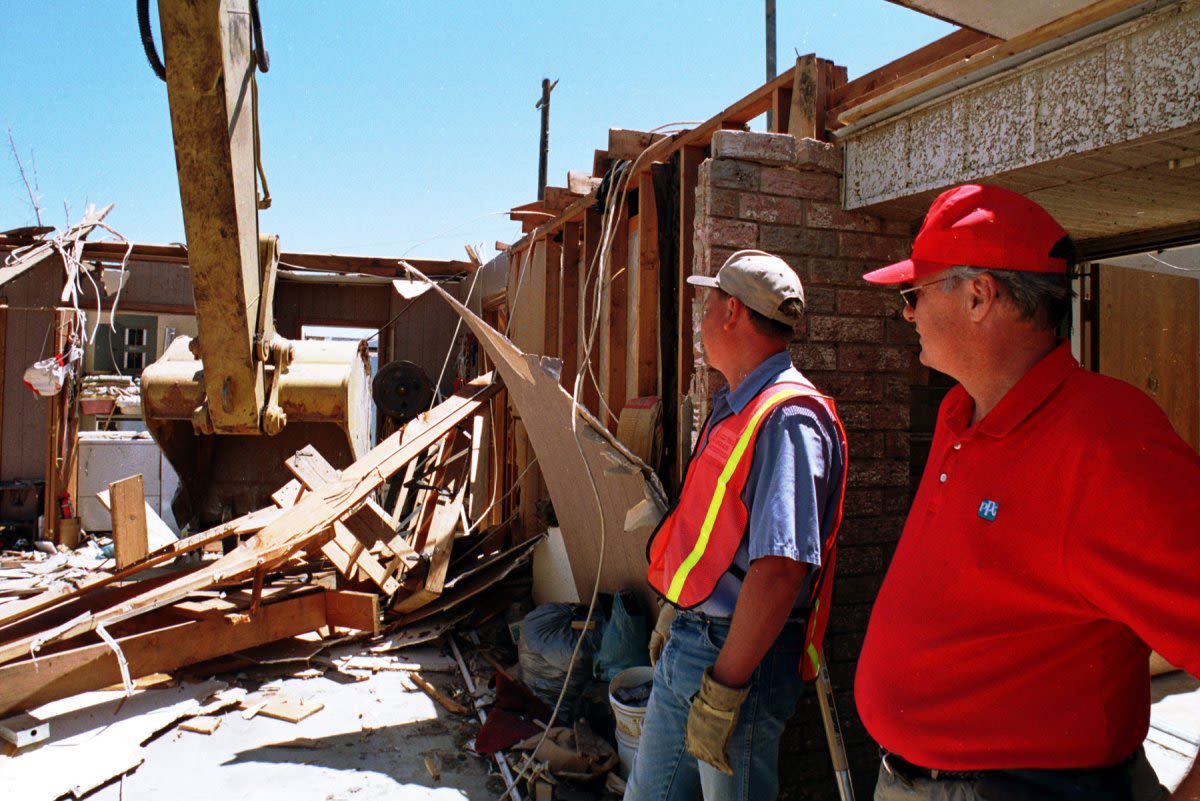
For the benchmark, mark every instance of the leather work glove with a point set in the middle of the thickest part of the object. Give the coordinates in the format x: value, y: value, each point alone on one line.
x: 661, y: 633
x: 710, y: 722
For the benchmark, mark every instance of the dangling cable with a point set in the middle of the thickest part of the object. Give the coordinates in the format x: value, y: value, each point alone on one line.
x: 143, y: 15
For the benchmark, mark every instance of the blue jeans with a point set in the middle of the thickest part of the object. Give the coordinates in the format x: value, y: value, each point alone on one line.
x: 664, y: 770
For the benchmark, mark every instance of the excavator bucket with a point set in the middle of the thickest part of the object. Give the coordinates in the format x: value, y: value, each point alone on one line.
x: 325, y: 392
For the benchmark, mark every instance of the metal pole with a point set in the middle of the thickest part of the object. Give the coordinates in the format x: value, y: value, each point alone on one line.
x: 771, y: 73
x: 544, y: 151
x: 833, y: 734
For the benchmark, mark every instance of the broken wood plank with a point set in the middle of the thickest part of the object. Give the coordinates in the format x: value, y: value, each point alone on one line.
x: 17, y: 610
x: 580, y: 183
x: 28, y: 683
x: 130, y: 543
x: 353, y: 610
x: 447, y: 703
x: 286, y: 496
x: 557, y: 198
x: 158, y: 533
x: 204, y: 724
x: 293, y: 710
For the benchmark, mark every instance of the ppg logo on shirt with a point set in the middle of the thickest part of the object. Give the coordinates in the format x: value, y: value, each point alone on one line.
x: 988, y: 510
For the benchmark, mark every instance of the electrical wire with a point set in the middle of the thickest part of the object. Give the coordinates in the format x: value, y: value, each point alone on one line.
x: 602, y: 264
x: 437, y: 387
x: 1178, y: 267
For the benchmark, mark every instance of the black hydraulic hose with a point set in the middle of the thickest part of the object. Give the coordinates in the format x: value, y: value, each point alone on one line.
x: 264, y: 61
x: 143, y: 14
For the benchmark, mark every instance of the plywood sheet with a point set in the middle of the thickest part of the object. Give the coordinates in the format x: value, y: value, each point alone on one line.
x: 593, y: 481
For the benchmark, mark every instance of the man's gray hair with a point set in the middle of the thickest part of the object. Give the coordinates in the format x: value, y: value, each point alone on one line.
x: 1044, y: 298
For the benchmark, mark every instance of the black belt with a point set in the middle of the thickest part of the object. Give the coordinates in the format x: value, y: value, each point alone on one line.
x: 898, y: 765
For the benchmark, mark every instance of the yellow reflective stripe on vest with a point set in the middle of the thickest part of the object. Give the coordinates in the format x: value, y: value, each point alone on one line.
x: 714, y: 506
x: 814, y: 657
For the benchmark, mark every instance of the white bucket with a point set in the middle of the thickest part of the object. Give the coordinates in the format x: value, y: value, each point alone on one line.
x: 628, y: 718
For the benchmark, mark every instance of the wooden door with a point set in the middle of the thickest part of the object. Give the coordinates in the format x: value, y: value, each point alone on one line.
x: 1150, y: 336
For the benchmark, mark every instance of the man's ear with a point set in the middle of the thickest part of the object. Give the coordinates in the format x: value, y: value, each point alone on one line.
x: 734, y: 309
x: 983, y: 292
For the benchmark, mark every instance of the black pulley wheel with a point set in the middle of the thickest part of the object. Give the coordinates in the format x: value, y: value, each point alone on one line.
x: 401, y: 390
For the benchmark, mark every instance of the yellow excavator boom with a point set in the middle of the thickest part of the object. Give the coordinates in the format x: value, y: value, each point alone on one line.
x: 230, y: 405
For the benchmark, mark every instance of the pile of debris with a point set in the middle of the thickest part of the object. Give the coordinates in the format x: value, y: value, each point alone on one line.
x: 326, y: 557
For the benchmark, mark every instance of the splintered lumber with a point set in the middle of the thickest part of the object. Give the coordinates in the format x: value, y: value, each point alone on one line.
x: 29, y: 683
x: 353, y: 536
x: 471, y: 583
x: 309, y: 522
x: 439, y: 518
x: 130, y: 543
x: 286, y: 496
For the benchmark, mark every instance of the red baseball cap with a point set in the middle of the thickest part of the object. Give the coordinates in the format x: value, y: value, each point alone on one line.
x: 977, y: 225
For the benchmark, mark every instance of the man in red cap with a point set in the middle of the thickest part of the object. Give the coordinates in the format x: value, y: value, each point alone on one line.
x: 1052, y: 541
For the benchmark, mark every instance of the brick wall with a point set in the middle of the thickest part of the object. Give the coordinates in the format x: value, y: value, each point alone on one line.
x: 772, y: 192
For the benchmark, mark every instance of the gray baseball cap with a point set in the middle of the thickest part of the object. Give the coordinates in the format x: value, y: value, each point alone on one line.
x: 761, y: 281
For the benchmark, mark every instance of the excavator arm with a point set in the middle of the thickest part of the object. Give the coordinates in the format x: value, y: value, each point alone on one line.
x: 228, y: 406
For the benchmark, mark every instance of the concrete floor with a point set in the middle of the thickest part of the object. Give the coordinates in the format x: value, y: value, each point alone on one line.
x: 367, y: 743
x: 1174, y: 735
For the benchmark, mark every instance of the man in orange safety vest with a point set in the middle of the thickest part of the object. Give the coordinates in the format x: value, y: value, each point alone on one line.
x: 746, y: 554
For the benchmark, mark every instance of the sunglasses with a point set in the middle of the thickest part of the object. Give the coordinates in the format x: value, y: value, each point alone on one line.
x: 909, y: 293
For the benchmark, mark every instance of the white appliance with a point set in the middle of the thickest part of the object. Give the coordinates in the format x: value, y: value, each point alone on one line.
x: 108, y: 456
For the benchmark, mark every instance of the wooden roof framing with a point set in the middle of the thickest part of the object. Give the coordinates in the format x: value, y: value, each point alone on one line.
x: 659, y: 149
x: 114, y: 252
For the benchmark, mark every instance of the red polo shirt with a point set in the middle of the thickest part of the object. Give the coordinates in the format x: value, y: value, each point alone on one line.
x: 1045, y: 547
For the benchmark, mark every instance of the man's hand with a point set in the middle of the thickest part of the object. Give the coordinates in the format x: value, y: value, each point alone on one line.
x: 710, y: 723
x: 662, y: 632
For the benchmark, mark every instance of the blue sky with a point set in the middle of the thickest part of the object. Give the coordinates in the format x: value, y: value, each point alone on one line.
x: 398, y: 128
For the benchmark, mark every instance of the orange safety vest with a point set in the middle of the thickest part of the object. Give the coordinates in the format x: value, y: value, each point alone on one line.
x: 696, y: 542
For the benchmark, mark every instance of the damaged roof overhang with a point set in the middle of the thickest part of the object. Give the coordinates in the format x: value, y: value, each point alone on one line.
x: 1133, y: 195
